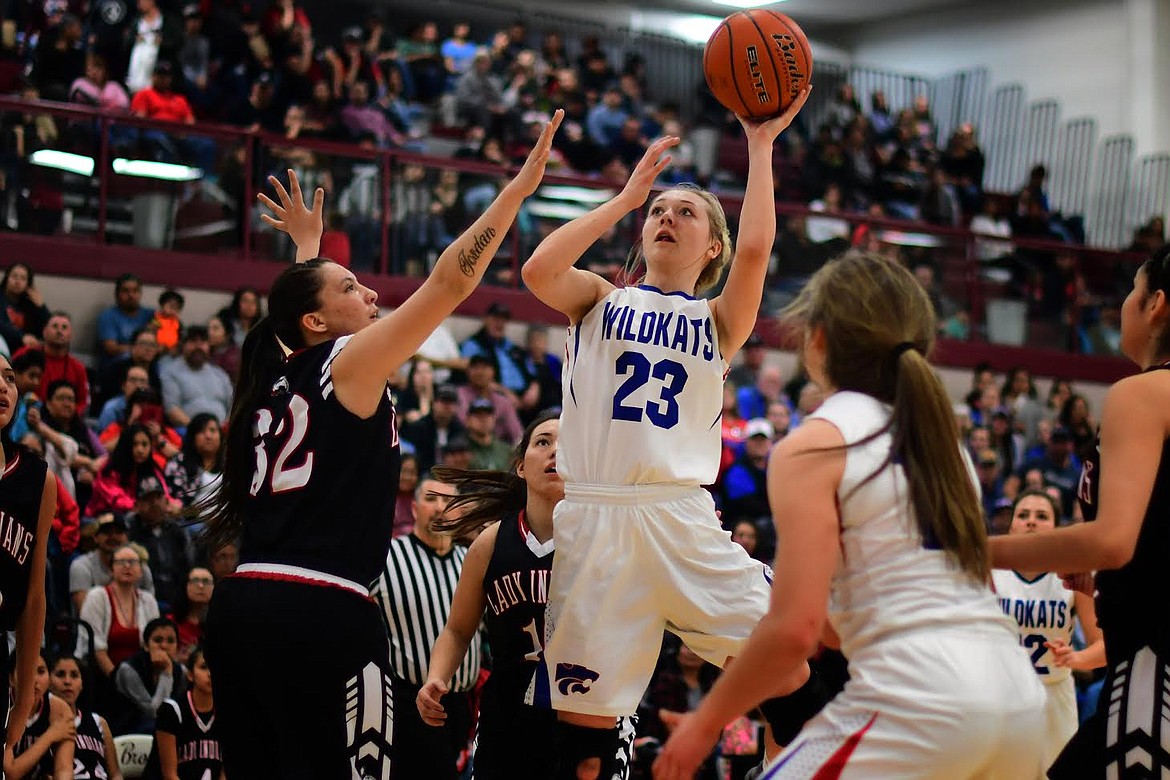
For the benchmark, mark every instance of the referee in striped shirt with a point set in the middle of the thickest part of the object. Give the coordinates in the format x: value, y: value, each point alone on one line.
x: 415, y: 592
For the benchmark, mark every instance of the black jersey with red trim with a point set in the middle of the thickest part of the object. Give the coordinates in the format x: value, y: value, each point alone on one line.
x: 35, y: 728
x: 1123, y: 595
x: 89, y: 748
x: 515, y: 586
x: 324, y: 480
x: 196, y: 741
x: 22, y: 484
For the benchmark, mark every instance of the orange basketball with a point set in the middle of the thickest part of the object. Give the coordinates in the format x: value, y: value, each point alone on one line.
x: 757, y: 62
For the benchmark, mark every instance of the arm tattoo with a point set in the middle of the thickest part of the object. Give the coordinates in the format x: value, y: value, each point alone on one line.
x: 469, y: 257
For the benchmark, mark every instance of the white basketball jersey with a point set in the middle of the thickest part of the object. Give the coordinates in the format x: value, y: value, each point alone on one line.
x: 1043, y: 610
x: 890, y: 579
x: 643, y: 392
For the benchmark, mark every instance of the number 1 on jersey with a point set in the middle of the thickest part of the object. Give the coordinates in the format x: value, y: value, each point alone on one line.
x: 283, y: 477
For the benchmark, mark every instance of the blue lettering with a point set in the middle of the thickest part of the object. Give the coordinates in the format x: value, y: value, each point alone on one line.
x: 627, y: 331
x: 661, y: 337
x: 709, y: 349
x: 646, y: 328
x: 680, y: 335
x: 1061, y: 614
x: 608, y: 318
x: 1019, y: 612
x: 1042, y: 614
x: 696, y: 323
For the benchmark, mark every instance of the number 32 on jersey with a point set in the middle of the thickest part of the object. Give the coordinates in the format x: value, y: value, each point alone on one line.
x: 293, y: 427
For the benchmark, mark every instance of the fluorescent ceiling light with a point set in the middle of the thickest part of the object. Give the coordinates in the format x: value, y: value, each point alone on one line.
x: 574, y: 194
x: 746, y: 3
x: 149, y: 169
x: 64, y: 161
x: 692, y: 28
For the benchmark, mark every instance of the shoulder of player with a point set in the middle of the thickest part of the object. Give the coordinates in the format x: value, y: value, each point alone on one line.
x: 1145, y: 396
x: 58, y: 708
x: 484, y: 544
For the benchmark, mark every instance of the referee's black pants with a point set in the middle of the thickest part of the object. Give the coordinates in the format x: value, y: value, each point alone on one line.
x: 428, y: 752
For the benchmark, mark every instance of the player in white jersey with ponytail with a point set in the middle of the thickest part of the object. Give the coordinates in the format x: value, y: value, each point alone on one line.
x: 1044, y: 609
x: 639, y: 546
x: 880, y: 531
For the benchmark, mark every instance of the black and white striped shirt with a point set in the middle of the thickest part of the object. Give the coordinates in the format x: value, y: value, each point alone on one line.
x: 415, y: 591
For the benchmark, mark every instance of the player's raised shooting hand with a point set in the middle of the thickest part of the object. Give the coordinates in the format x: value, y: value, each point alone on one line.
x: 303, y: 225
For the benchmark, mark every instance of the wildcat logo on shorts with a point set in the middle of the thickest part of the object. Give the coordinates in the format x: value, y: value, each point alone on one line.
x: 574, y: 678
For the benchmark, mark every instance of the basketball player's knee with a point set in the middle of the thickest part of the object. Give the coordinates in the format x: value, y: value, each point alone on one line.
x: 786, y: 715
x: 585, y: 753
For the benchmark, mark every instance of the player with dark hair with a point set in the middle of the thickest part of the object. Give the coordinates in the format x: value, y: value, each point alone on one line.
x: 639, y: 547
x: 28, y: 502
x: 45, y: 748
x: 1124, y: 493
x: 94, y: 755
x: 186, y: 737
x: 315, y: 521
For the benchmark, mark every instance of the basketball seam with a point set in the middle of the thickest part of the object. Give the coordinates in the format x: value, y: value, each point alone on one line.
x: 731, y: 65
x: 780, y: 96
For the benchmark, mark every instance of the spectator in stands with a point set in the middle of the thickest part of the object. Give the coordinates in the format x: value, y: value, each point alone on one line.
x: 194, y: 58
x: 605, y: 120
x: 407, y: 482
x: 108, y: 23
x: 881, y: 121
x: 95, y: 88
x: 23, y: 313
x: 900, y: 186
x: 223, y: 561
x: 1005, y: 441
x: 745, y: 534
x: 116, y: 487
x: 748, y: 370
x: 144, y: 407
x: 963, y: 163
x: 281, y: 17
x: 118, y: 324
x: 191, y: 609
x: 482, y: 385
x: 28, y: 366
x: 731, y: 424
x: 1102, y: 333
x: 352, y: 64
x: 136, y: 378
x: 939, y: 205
x: 492, y: 341
x: 442, y: 351
x: 167, y: 324
x: 168, y: 546
x: 754, y: 399
x: 155, y: 39
x: 745, y: 491
x: 193, y: 384
x: 823, y: 230
x: 59, y: 59
x: 260, y: 111
x: 224, y: 352
x: 1019, y: 397
x: 990, y: 222
x: 553, y: 56
x: 1059, y: 392
x: 415, y: 399
x: 148, y: 678
x: 59, y: 363
x: 242, y: 313
x: 95, y: 568
x: 487, y: 451
x: 192, y: 472
x: 630, y: 144
x: 432, y: 431
x: 545, y: 369
x: 860, y: 169
x: 74, y: 443
x: 843, y: 109
x: 479, y: 96
x: 780, y: 416
x: 143, y: 355
x: 1060, y: 467
x: 458, y: 52
x: 991, y: 481
x: 1078, y: 420
x: 1034, y: 192
x: 419, y: 51
x: 361, y: 117
x: 678, y: 684
x: 118, y: 612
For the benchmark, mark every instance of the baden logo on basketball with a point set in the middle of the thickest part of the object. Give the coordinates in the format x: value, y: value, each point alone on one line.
x: 574, y: 678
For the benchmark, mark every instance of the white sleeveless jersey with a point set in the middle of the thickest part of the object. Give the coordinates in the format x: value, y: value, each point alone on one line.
x: 1043, y: 610
x: 643, y: 392
x: 889, y: 579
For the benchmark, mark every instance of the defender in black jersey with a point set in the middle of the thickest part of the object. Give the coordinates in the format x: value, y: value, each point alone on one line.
x: 186, y: 740
x: 309, y: 478
x: 1124, y: 493
x: 505, y: 583
x: 45, y: 748
x: 28, y: 501
x: 94, y: 756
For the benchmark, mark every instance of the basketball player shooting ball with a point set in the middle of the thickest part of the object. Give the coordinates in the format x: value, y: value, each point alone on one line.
x: 639, y: 547
x: 315, y: 520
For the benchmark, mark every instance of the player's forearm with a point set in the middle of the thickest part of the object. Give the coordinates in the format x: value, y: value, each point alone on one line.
x: 757, y: 222
x: 1081, y: 547
x: 448, y: 652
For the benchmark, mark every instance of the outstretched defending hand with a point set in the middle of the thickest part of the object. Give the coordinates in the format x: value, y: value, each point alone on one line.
x: 530, y: 175
x: 691, y: 741
x: 303, y: 225
x: 653, y: 162
x: 769, y: 129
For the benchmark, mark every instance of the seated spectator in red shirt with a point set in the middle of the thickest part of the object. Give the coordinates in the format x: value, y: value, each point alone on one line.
x: 160, y: 101
x: 59, y: 364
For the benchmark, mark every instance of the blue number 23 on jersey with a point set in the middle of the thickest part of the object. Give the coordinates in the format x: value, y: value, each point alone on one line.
x: 662, y: 412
